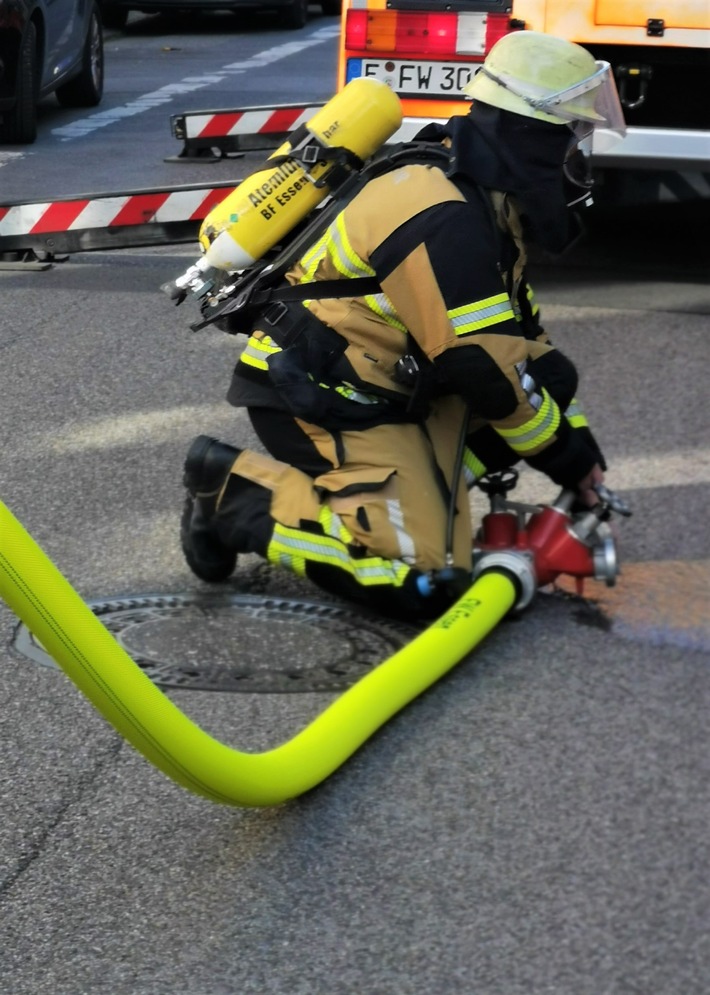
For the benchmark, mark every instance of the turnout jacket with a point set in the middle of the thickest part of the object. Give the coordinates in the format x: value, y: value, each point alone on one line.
x: 455, y: 315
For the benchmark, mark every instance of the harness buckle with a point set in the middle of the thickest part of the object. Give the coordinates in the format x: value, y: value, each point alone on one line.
x: 275, y: 313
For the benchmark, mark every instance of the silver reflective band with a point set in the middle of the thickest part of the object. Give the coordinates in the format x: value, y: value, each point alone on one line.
x: 562, y: 96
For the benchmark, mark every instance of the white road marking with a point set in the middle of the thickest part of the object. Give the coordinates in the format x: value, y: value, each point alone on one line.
x: 6, y: 157
x: 166, y: 94
x: 139, y: 428
x: 151, y: 428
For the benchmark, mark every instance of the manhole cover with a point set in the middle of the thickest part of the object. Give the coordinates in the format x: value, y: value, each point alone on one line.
x: 242, y: 643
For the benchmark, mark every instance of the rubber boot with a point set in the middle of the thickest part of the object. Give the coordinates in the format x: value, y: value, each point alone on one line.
x: 207, y: 467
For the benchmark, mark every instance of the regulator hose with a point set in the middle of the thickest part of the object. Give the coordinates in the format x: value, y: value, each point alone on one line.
x: 69, y: 631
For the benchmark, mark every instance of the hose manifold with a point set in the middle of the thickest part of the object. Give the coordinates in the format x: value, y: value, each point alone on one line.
x: 606, y: 561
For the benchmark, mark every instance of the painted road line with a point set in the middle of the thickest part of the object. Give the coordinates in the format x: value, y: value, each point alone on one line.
x: 190, y: 84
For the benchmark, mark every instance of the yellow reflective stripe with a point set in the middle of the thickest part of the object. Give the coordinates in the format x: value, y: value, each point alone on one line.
x: 285, y: 559
x: 333, y: 525
x: 336, y: 244
x: 575, y: 416
x: 533, y: 303
x: 309, y: 261
x: 381, y: 305
x: 534, y: 306
x: 344, y: 257
x: 346, y: 390
x: 481, y: 314
x: 294, y: 548
x: 257, y: 351
x: 537, y: 430
x: 473, y: 469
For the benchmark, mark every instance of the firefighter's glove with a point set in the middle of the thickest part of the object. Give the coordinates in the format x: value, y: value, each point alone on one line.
x: 593, y: 445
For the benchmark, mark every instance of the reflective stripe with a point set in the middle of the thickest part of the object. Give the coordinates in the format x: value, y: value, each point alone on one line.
x: 333, y: 525
x: 336, y: 245
x: 481, y: 314
x: 533, y: 303
x: 529, y: 386
x: 309, y: 261
x: 534, y: 306
x: 257, y: 351
x: 405, y: 542
x: 294, y: 549
x: 383, y: 306
x: 473, y: 469
x: 349, y: 392
x: 575, y: 416
x: 537, y: 430
x: 344, y: 258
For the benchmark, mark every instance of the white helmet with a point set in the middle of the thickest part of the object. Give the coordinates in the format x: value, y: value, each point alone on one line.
x: 551, y: 79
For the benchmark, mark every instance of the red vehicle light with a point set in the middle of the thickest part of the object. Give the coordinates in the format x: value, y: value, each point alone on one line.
x: 425, y: 34
x: 401, y: 33
x: 356, y: 29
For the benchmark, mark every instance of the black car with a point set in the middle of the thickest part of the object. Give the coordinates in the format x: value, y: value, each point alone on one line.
x: 47, y: 46
x: 290, y: 13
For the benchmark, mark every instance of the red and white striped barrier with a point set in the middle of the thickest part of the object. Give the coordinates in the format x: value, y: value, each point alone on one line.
x: 148, y: 217
x: 245, y: 129
x: 144, y: 217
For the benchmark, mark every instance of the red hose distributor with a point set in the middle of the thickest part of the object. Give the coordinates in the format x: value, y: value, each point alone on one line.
x: 537, y: 543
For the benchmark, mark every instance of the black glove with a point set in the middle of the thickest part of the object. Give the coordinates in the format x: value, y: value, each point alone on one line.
x: 592, y: 444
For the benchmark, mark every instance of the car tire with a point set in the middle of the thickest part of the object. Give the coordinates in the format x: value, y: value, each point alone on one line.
x: 86, y: 89
x: 114, y: 17
x: 295, y: 15
x: 19, y: 126
x: 331, y: 8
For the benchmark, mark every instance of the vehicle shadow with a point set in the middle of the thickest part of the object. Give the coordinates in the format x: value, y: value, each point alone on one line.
x: 207, y: 23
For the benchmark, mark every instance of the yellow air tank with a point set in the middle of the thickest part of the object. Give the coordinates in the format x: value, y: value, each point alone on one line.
x: 269, y: 203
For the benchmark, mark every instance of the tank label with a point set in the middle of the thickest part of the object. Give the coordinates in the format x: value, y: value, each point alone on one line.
x: 277, y: 179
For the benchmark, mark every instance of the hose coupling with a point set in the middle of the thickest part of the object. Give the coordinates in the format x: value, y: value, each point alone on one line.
x: 518, y: 565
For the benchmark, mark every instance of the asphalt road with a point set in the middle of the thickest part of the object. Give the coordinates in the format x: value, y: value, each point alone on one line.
x: 535, y: 823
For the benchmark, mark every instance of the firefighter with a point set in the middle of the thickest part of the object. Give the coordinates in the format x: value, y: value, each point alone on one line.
x: 379, y: 412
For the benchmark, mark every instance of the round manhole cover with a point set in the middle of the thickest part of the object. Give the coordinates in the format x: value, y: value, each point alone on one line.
x: 235, y: 642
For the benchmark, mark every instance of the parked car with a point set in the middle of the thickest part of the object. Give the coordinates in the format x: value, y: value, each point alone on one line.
x: 47, y: 46
x: 291, y: 13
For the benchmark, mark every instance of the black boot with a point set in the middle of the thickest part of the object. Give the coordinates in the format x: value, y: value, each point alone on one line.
x: 207, y: 466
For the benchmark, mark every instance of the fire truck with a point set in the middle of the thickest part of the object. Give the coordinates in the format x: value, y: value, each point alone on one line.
x: 427, y: 50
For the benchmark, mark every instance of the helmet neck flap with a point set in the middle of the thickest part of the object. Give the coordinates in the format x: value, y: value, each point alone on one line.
x: 522, y: 156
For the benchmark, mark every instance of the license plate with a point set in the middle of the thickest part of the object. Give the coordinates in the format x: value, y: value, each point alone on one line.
x: 417, y: 79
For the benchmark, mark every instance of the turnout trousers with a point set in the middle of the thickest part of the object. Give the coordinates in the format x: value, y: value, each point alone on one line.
x: 363, y: 514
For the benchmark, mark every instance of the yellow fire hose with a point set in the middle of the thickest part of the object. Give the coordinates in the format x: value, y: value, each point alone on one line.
x: 52, y: 610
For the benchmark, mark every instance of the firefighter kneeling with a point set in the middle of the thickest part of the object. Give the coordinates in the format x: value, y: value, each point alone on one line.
x: 363, y: 402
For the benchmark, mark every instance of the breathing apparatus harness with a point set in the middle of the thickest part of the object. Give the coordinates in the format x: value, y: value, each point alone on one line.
x: 263, y: 283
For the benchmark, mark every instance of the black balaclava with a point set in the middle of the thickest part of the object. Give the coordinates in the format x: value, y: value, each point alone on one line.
x: 500, y: 150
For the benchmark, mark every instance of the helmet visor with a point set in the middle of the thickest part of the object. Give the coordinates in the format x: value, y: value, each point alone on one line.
x: 594, y: 101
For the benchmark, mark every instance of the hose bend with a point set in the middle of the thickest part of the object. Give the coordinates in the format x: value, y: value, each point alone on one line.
x: 44, y: 600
